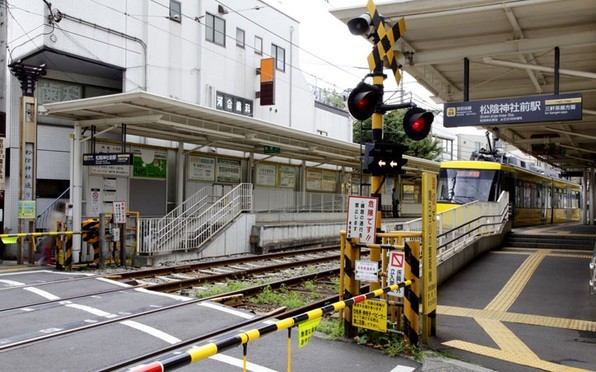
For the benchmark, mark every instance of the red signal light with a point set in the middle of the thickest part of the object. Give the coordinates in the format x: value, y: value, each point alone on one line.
x: 363, y: 100
x: 417, y: 123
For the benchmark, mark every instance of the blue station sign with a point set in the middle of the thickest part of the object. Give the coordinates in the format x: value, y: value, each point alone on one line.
x: 518, y: 110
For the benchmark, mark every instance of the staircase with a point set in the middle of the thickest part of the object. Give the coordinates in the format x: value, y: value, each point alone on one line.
x: 554, y: 241
x: 194, y: 222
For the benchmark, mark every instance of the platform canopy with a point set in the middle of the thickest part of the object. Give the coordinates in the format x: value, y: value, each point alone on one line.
x: 159, y: 117
x: 511, y: 48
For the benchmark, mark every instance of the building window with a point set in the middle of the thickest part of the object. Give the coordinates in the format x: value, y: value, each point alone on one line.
x: 240, y: 37
x: 175, y: 11
x: 279, y: 54
x: 258, y: 45
x: 215, y: 30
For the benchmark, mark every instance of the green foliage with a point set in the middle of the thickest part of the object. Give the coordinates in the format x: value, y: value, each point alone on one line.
x: 282, y: 297
x: 391, y: 344
x: 220, y: 288
x: 332, y: 328
x: 393, y: 132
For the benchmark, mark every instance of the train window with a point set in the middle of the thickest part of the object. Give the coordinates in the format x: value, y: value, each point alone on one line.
x: 465, y: 186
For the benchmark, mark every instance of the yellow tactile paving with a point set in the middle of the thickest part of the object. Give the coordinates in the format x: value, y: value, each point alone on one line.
x: 510, y: 357
x: 539, y: 320
x: 491, y: 318
x: 552, y: 254
x: 509, y: 293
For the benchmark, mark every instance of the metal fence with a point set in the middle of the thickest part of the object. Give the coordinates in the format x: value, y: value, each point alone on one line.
x: 461, y: 225
x: 289, y: 201
x: 184, y: 231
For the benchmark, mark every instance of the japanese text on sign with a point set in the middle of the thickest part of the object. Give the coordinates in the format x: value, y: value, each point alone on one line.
x: 370, y: 314
x: 362, y: 218
x: 395, y: 271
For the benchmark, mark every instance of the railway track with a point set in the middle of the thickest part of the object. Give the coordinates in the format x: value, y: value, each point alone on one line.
x: 281, y: 273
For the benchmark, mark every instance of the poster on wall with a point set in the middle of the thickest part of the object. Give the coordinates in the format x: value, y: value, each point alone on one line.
x: 149, y: 163
x: 228, y: 170
x: 329, y: 181
x: 266, y: 174
x: 314, y: 179
x: 201, y: 168
x: 109, y: 170
x: 287, y: 176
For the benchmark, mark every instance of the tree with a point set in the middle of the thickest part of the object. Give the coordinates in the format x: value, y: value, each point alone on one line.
x: 393, y: 131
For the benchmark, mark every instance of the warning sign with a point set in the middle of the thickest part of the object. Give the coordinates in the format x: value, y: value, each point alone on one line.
x: 370, y: 314
x: 306, y: 330
x: 395, y: 271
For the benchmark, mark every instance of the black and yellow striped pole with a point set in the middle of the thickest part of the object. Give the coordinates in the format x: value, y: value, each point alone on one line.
x: 351, y: 286
x: 412, y: 293
x: 202, y: 352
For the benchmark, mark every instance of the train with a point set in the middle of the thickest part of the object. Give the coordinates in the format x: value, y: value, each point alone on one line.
x: 535, y: 198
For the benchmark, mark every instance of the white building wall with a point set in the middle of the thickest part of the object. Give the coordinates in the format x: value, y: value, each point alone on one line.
x: 161, y: 56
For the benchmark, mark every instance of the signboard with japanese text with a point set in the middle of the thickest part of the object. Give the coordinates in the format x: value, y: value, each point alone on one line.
x: 228, y: 170
x: 370, y: 314
x: 201, y: 168
x: 395, y: 271
x: 429, y: 242
x: 314, y: 180
x: 306, y: 330
x: 287, y: 176
x: 362, y: 218
x: 149, y: 163
x: 231, y: 103
x: 107, y: 159
x: 517, y: 110
x: 26, y: 209
x: 119, y: 211
x: 109, y: 170
x: 266, y: 174
x: 367, y: 271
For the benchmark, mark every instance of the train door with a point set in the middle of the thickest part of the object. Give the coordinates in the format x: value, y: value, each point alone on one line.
x: 568, y: 204
x: 542, y: 202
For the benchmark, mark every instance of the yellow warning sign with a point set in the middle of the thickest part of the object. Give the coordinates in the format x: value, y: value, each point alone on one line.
x: 370, y: 314
x: 306, y: 330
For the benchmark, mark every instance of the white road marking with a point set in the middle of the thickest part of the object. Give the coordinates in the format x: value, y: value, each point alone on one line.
x: 239, y: 363
x: 151, y: 331
x: 403, y: 369
x: 114, y: 282
x: 89, y: 309
x: 168, y: 295
x: 11, y: 282
x: 42, y: 293
x: 225, y: 309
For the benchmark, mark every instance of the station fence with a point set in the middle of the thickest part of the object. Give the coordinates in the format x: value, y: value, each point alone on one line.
x: 460, y: 226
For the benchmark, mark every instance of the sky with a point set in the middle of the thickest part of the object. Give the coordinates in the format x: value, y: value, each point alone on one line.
x: 331, y: 57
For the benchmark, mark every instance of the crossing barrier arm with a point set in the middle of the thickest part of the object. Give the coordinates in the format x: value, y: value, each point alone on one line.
x: 198, y: 353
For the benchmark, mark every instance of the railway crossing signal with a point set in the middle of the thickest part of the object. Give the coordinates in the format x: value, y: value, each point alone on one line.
x: 417, y: 123
x: 363, y: 100
x: 384, y: 158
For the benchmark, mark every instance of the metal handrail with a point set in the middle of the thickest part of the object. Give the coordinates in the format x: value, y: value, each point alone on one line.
x: 42, y: 218
x: 461, y: 225
x: 192, y: 231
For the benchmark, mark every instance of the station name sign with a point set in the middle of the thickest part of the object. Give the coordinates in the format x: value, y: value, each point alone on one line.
x: 107, y: 159
x: 518, y: 110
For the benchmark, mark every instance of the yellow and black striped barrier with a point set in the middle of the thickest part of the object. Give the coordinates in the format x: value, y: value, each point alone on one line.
x: 411, y: 295
x: 12, y: 238
x: 198, y: 353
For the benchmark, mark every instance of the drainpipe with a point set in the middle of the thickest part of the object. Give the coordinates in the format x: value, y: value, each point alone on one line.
x: 117, y: 33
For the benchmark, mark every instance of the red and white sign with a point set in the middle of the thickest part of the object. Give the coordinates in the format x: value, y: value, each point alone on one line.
x: 395, y: 271
x: 119, y: 208
x: 362, y: 218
